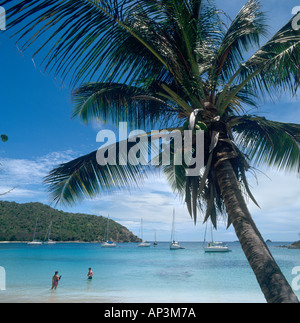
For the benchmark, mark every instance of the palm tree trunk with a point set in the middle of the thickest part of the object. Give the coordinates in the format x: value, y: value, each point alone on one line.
x: 269, y: 276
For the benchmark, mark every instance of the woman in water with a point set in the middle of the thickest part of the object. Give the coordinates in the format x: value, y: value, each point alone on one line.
x: 55, y: 280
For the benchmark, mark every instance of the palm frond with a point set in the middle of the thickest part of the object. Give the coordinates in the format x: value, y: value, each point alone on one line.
x: 268, y: 142
x: 127, y: 164
x: 278, y: 61
x: 243, y: 34
x: 273, y: 68
x: 84, y: 36
x: 113, y: 102
x: 119, y: 41
x: 84, y: 177
x: 245, y: 97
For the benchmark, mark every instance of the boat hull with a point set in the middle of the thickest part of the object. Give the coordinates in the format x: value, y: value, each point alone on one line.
x: 49, y: 242
x: 34, y: 243
x: 108, y: 245
x: 144, y: 244
x: 175, y: 246
x: 217, y: 249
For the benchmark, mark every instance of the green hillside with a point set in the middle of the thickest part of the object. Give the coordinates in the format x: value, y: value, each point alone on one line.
x: 17, y: 222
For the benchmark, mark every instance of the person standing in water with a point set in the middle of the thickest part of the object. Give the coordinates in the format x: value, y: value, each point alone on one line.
x: 90, y: 274
x: 55, y: 280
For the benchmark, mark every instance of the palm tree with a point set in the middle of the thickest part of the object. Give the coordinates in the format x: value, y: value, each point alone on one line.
x: 175, y: 63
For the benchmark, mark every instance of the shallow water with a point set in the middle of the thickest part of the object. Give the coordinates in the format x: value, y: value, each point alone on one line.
x: 131, y: 274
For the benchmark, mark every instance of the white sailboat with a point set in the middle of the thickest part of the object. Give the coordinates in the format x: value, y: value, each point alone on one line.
x: 49, y: 241
x: 155, y: 242
x: 214, y: 246
x: 35, y: 242
x: 174, y: 244
x: 143, y: 243
x: 108, y: 243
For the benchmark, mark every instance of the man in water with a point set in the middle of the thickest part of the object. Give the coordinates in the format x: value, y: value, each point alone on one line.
x: 55, y: 280
x: 90, y: 274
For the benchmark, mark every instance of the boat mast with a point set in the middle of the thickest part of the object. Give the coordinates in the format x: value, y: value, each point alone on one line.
x: 107, y: 226
x: 49, y: 234
x: 142, y: 234
x: 173, y: 227
x: 35, y: 229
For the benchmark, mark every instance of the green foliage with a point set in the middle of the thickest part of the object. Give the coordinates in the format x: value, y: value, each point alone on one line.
x: 17, y: 222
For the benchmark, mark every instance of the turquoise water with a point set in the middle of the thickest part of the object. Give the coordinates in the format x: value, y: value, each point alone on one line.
x: 131, y: 274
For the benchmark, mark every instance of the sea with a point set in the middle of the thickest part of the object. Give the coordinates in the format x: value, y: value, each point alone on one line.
x: 129, y: 274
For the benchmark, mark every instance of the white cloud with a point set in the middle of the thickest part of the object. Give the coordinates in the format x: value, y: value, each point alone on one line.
x: 27, y: 175
x: 276, y: 190
x: 15, y: 192
x: 278, y: 195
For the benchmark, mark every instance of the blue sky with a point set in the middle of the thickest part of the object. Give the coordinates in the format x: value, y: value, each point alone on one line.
x: 36, y: 115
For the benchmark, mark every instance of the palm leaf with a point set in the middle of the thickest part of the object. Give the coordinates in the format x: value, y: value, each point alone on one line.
x: 275, y: 66
x: 112, y: 102
x: 87, y: 176
x: 84, y: 177
x: 85, y: 35
x: 114, y: 41
x: 244, y: 33
x: 268, y: 142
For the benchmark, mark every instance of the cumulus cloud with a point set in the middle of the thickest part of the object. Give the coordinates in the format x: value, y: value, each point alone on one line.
x: 27, y: 175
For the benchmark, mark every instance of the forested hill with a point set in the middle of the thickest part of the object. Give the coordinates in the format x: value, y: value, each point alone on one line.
x: 17, y: 222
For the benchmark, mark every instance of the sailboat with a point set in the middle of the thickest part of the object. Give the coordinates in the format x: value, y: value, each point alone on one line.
x: 143, y: 243
x: 35, y: 242
x: 108, y: 243
x: 49, y: 241
x: 174, y: 244
x: 214, y: 246
x: 155, y: 242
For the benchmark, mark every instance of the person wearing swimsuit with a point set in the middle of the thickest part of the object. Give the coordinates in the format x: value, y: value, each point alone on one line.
x: 90, y: 274
x: 55, y: 280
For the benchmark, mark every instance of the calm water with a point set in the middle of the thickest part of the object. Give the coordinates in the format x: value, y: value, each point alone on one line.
x: 131, y: 274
